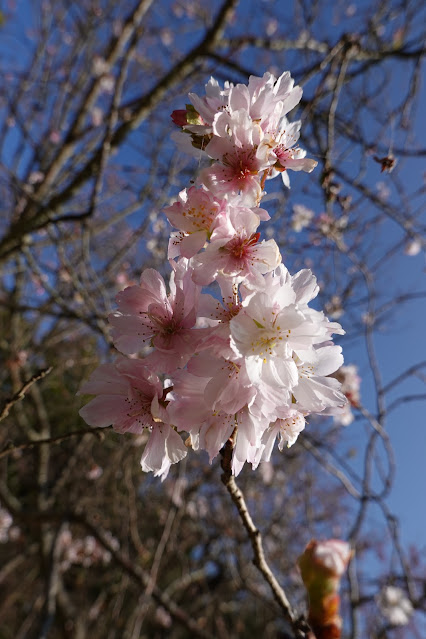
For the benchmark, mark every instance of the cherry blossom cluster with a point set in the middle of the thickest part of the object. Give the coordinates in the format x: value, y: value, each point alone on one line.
x: 249, y: 360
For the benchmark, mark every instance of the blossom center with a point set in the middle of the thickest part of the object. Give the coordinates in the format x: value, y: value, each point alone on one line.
x: 283, y: 154
x: 240, y: 247
x: 139, y: 405
x: 165, y: 324
x: 242, y: 164
x: 200, y: 218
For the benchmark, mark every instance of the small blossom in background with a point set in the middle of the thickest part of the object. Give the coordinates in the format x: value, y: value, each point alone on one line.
x: 395, y: 605
x: 334, y: 307
x: 122, y: 279
x: 350, y: 386
x: 351, y: 382
x: 342, y: 416
x: 19, y: 360
x: 8, y: 532
x: 84, y: 552
x: 55, y: 137
x: 383, y: 190
x: 36, y: 177
x: 107, y: 83
x: 413, y: 247
x: 97, y: 116
x: 95, y: 472
x: 100, y: 66
x: 6, y: 522
x: 162, y: 617
x: 302, y: 217
x: 332, y: 228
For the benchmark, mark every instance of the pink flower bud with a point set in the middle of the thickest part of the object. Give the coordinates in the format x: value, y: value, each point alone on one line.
x: 179, y: 117
x: 322, y: 565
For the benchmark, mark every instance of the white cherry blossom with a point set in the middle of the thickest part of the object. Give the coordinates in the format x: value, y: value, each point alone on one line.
x: 395, y: 605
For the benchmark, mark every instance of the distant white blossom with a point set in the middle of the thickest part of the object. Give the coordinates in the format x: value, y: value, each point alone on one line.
x: 334, y: 308
x: 351, y: 382
x: 302, y: 217
x: 413, y: 247
x: 85, y: 551
x: 395, y: 605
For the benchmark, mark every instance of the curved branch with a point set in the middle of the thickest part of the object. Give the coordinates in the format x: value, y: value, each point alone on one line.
x: 298, y: 623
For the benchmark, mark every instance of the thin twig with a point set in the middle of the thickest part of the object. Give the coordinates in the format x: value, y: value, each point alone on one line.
x: 52, y: 440
x: 9, y: 403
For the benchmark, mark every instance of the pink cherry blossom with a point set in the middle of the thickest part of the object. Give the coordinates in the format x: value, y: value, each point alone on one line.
x: 286, y: 154
x: 212, y: 400
x: 262, y: 332
x: 266, y: 98
x: 127, y: 393
x: 241, y: 160
x: 287, y: 429
x: 315, y: 391
x: 229, y: 388
x: 195, y: 214
x: 148, y: 316
x: 219, y: 314
x: 130, y: 397
x: 235, y: 251
x: 215, y: 101
x: 209, y: 429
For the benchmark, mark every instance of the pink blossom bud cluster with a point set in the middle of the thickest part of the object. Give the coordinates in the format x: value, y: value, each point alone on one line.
x: 251, y: 359
x: 322, y: 565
